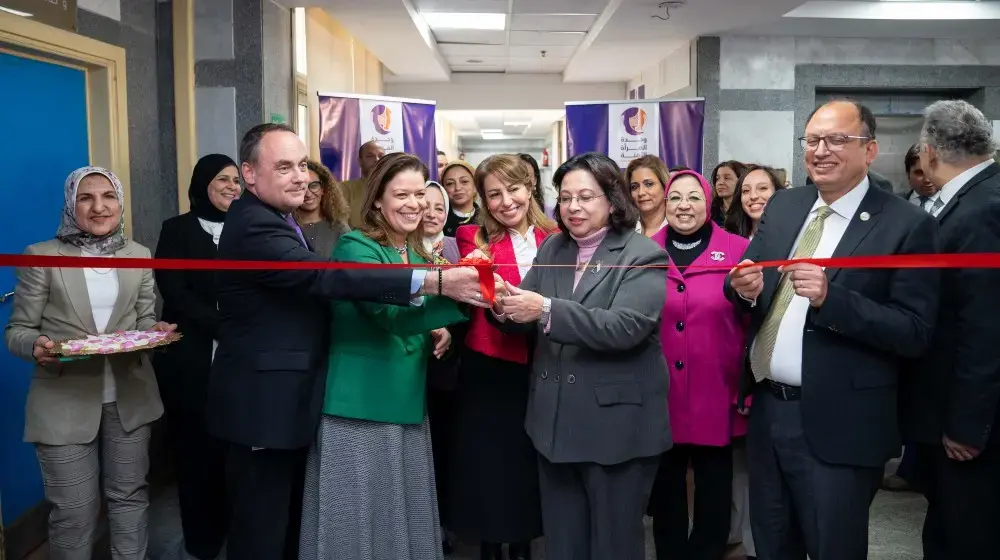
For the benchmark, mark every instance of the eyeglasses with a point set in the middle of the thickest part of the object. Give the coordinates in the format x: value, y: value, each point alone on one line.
x: 315, y: 187
x: 566, y: 199
x: 676, y: 199
x: 834, y: 142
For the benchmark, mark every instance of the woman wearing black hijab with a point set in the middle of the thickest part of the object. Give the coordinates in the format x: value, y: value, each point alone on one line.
x: 182, y: 370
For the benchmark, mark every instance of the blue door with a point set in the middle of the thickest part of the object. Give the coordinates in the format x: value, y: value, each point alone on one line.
x: 43, y: 116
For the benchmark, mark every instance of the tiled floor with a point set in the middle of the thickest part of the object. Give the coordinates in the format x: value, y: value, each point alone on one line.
x: 896, y: 518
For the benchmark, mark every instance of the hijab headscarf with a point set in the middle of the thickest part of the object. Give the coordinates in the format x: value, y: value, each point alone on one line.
x: 432, y: 240
x: 204, y: 172
x: 69, y: 231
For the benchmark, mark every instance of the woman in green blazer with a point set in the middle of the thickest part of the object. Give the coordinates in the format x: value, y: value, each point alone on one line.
x: 370, y: 490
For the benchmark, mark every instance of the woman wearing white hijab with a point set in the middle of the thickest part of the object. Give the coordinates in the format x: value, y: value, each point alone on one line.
x: 89, y: 419
x: 435, y: 217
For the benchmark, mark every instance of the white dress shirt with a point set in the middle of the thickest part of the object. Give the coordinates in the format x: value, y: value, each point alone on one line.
x: 786, y: 361
x: 102, y: 287
x: 951, y: 188
x: 525, y: 249
x: 215, y: 230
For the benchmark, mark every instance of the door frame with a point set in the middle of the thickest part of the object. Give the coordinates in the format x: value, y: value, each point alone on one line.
x: 104, y: 67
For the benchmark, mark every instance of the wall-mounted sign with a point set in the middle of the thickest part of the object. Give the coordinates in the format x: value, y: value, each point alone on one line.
x: 277, y: 118
x: 57, y: 13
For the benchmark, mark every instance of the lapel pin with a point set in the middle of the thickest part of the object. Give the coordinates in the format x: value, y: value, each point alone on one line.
x: 865, y: 216
x: 597, y: 267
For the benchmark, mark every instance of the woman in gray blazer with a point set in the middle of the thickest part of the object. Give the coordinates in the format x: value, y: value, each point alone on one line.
x: 89, y: 419
x: 597, y: 406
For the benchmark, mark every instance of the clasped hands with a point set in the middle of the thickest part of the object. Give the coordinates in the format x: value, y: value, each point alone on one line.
x: 808, y: 280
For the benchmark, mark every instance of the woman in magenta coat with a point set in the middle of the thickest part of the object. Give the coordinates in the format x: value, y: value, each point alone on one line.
x: 703, y: 343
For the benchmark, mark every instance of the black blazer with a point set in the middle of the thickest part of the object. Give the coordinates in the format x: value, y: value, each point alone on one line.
x: 267, y: 382
x: 955, y: 388
x: 189, y: 301
x: 852, y: 345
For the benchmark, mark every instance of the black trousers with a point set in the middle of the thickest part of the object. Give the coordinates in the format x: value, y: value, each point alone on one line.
x: 200, y: 461
x: 963, y: 503
x: 594, y: 512
x: 265, y: 490
x: 798, y: 503
x: 713, y: 497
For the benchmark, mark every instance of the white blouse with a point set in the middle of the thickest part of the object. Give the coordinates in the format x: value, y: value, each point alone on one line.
x: 102, y: 287
x: 525, y: 249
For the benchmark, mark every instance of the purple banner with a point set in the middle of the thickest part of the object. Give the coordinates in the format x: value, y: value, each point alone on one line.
x: 420, y: 136
x: 347, y: 123
x: 340, y: 136
x: 679, y: 136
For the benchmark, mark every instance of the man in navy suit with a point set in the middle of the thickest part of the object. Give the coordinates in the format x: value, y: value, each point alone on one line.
x: 951, y: 402
x: 266, y: 387
x: 826, y: 344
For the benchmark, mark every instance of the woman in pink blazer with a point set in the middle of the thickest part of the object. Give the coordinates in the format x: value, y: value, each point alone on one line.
x: 703, y: 342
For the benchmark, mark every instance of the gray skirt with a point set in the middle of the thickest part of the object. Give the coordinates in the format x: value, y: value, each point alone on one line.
x: 369, y: 493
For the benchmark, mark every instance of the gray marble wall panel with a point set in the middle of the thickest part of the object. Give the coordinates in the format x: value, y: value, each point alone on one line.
x: 153, y: 193
x: 238, y: 67
x: 277, y: 46
x: 215, y: 115
x: 213, y: 30
x: 709, y: 53
x: 984, y: 80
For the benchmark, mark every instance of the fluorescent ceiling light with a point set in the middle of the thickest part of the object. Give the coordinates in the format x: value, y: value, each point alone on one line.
x: 900, y: 10
x: 15, y: 12
x: 517, y: 123
x: 491, y: 130
x: 441, y: 20
x: 493, y: 136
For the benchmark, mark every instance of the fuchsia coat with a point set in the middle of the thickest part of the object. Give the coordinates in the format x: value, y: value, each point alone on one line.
x: 704, y: 339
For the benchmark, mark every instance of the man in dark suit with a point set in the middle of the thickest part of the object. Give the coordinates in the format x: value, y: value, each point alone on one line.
x: 826, y: 344
x: 951, y: 403
x: 266, y: 386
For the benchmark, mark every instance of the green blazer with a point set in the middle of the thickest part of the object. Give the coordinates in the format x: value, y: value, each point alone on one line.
x: 379, y: 352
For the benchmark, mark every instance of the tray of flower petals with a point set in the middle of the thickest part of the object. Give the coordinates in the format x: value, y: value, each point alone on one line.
x: 115, y: 343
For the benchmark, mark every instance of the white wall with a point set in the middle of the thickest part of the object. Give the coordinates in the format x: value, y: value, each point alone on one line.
x: 673, y: 76
x: 505, y: 92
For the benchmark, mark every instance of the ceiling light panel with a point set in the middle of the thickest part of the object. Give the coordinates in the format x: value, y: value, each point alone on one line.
x: 446, y: 20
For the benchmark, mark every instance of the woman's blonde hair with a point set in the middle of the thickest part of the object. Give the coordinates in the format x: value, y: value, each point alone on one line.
x: 332, y: 205
x: 373, y: 223
x: 510, y: 170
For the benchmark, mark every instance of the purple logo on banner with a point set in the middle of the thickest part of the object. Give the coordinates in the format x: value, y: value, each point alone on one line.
x: 382, y: 119
x: 634, y: 120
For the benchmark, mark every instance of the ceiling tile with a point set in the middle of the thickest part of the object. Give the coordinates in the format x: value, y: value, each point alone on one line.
x: 472, y: 51
x: 535, y: 52
x: 544, y: 38
x: 552, y: 22
x: 559, y: 6
x: 472, y: 36
x: 462, y: 6
x: 483, y: 60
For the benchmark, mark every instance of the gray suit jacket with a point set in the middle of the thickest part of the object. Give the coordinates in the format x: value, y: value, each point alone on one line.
x: 65, y: 400
x: 598, y: 390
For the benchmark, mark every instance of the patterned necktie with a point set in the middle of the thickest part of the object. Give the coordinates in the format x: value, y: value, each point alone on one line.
x: 936, y: 207
x: 923, y: 201
x: 291, y: 221
x: 763, y: 349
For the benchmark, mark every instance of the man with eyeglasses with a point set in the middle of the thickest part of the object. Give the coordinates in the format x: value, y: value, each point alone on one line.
x: 825, y: 344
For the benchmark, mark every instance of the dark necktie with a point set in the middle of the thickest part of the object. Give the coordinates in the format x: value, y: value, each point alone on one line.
x: 923, y: 201
x: 291, y: 221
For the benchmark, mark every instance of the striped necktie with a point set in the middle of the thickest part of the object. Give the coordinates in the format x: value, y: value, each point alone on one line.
x: 767, y: 336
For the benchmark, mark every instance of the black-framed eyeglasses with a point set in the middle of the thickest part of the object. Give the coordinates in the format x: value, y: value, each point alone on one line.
x: 834, y: 142
x: 315, y: 187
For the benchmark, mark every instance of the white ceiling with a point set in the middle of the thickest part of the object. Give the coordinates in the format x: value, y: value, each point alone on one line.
x: 513, y: 124
x: 614, y: 40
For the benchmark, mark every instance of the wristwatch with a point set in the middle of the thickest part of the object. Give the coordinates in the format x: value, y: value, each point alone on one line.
x: 546, y: 310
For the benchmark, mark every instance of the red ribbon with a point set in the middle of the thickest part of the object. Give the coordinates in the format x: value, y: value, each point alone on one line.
x: 485, y: 267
